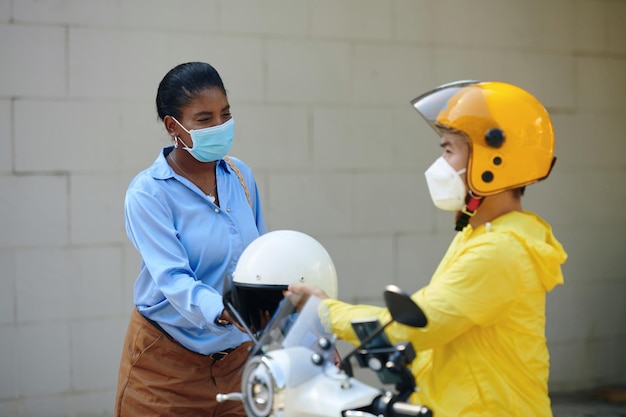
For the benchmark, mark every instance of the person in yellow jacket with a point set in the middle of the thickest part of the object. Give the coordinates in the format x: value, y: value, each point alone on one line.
x: 483, y: 352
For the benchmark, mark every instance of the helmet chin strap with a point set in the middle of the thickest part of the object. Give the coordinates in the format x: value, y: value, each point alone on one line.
x: 471, y: 205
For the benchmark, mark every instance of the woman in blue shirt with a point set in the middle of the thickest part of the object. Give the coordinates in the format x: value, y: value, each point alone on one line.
x: 190, y: 215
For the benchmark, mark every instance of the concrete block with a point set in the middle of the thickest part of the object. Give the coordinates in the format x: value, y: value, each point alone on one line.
x: 508, y: 23
x: 390, y: 203
x: 364, y: 266
x: 616, y: 28
x: 589, y: 263
x: 96, y: 403
x: 33, y: 211
x: 50, y: 406
x: 108, y: 52
x: 130, y: 270
x: 418, y: 257
x: 7, y: 288
x: 265, y: 140
x: 414, y: 20
x: 308, y: 72
x: 570, y: 365
x: 346, y: 138
x: 33, y: 61
x: 607, y: 364
x: 138, y: 136
x: 443, y: 221
x: 567, y: 209
x: 607, y: 305
x: 8, y: 366
x: 38, y: 375
x: 601, y: 97
x: 582, y: 139
x: 550, y: 77
x: 44, y: 285
x: 273, y: 17
x: 591, y: 24
x: 163, y: 15
x: 99, y: 63
x: 90, y: 140
x: 383, y: 73
x: 6, y: 137
x: 311, y: 202
x: 85, y: 12
x: 97, y: 204
x: 555, y: 25
x: 96, y: 282
x: 579, y: 311
x: 416, y: 145
x: 8, y: 408
x: 352, y: 19
x: 5, y: 17
x: 459, y: 63
x: 241, y: 62
x: 101, y: 339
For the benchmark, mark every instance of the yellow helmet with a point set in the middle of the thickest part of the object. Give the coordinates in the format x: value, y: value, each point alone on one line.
x: 511, y: 135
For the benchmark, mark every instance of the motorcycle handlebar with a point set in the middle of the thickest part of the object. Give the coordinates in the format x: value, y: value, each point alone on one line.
x: 387, y: 406
x: 409, y: 410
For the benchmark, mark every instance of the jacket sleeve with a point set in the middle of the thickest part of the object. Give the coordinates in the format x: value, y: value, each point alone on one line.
x: 340, y: 316
x: 476, y: 288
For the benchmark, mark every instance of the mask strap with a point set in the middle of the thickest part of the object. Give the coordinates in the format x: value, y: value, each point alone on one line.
x: 471, y: 205
x: 179, y: 124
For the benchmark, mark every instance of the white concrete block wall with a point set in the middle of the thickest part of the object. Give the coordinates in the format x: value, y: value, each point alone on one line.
x: 320, y: 90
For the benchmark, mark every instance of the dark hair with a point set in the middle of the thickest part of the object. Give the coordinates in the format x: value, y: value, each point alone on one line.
x: 182, y: 84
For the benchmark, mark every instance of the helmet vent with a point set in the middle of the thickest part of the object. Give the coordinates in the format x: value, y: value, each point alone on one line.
x: 494, y: 138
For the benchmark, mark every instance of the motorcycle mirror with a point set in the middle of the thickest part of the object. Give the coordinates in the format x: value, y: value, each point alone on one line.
x: 402, y: 307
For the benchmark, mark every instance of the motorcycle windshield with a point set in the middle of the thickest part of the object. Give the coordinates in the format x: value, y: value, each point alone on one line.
x: 297, y: 323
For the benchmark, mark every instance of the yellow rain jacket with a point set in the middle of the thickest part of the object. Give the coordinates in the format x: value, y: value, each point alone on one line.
x: 483, y: 352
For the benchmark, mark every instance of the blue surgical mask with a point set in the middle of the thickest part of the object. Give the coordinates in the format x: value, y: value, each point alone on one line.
x: 211, y: 143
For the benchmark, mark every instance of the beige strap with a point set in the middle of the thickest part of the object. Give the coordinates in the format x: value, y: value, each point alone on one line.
x: 234, y: 167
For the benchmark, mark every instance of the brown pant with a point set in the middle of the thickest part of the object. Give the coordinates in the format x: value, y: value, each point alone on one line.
x: 159, y: 377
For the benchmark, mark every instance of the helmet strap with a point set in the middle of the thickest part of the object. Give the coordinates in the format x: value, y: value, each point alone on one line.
x: 471, y: 205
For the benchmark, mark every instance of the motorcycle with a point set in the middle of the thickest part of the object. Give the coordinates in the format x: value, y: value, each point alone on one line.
x: 293, y: 369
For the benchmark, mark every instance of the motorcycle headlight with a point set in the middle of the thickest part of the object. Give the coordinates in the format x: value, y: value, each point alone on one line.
x: 263, y: 388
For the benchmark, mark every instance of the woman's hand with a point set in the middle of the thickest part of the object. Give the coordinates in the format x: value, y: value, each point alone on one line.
x: 226, y: 318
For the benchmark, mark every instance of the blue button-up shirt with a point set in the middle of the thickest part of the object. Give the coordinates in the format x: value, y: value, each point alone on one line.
x: 188, y: 245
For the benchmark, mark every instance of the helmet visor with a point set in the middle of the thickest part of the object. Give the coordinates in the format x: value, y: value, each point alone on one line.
x: 429, y: 105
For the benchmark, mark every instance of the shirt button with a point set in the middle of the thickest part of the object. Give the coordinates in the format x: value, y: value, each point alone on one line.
x: 217, y: 210
x: 233, y: 231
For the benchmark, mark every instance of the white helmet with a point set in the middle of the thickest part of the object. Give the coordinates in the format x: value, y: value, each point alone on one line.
x: 273, y: 261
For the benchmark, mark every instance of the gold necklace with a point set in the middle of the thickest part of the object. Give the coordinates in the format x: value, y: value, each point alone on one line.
x: 209, y: 195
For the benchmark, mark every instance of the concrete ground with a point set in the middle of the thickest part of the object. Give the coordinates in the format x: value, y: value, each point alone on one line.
x: 610, y: 402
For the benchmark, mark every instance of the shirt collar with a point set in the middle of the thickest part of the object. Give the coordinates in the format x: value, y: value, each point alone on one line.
x: 161, y: 170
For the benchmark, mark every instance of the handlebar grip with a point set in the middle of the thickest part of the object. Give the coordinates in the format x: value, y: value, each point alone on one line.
x: 409, y: 410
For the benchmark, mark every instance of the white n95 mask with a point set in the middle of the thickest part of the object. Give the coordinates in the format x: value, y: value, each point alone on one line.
x: 446, y: 186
